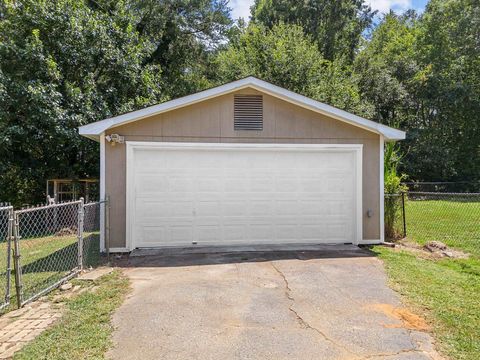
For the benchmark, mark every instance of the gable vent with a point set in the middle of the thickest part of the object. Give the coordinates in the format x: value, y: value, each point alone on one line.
x: 248, y: 112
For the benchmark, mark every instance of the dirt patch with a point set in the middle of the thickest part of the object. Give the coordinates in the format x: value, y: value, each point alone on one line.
x: 409, y: 320
x: 432, y: 250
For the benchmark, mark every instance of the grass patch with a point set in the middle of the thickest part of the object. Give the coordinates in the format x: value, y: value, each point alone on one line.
x: 84, y: 332
x: 446, y: 291
x: 455, y: 223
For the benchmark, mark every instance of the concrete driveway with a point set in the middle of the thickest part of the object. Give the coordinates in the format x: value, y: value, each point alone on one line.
x: 312, y: 304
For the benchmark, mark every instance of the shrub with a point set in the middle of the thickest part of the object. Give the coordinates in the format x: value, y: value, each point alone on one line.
x: 393, y: 186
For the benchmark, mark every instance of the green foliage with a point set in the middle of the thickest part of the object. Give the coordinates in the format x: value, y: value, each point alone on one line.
x: 393, y: 189
x: 286, y: 57
x: 386, y: 66
x: 336, y: 26
x: 67, y: 63
x: 423, y: 73
x: 393, y: 180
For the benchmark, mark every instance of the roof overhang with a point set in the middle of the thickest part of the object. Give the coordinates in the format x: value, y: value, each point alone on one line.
x: 94, y: 130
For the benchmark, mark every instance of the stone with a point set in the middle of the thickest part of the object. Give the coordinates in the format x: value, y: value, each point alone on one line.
x: 20, y: 335
x: 388, y: 244
x: 434, y: 246
x: 95, y: 274
x: 66, y: 286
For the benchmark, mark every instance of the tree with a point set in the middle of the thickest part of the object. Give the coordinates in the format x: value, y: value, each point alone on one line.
x: 422, y: 74
x: 285, y: 56
x: 183, y: 35
x: 336, y: 26
x: 449, y: 84
x: 386, y: 67
x: 67, y: 63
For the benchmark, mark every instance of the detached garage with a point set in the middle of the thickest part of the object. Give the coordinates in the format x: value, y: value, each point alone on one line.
x: 241, y: 164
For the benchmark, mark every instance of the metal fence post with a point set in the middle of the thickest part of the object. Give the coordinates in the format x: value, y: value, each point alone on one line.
x: 81, y: 214
x: 16, y: 261
x: 403, y: 214
x: 9, y: 254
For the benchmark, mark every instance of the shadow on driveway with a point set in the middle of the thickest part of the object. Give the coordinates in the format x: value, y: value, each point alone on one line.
x: 172, y: 257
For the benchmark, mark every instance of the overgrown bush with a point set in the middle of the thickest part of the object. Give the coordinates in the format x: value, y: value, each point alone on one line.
x: 393, y: 186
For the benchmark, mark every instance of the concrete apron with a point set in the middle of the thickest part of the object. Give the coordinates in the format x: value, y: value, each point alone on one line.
x: 302, y: 304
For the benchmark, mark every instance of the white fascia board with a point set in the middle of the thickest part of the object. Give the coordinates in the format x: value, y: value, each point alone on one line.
x: 94, y: 130
x: 98, y: 127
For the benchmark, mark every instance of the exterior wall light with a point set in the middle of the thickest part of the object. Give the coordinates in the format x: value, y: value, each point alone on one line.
x: 114, y: 139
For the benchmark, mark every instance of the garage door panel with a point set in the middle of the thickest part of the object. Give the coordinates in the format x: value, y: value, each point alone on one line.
x: 242, y: 196
x: 207, y: 208
x: 260, y: 232
x: 234, y: 208
x: 233, y: 232
x: 260, y: 207
x: 286, y: 207
x: 152, y: 234
x: 209, y: 233
x: 312, y: 207
x: 207, y: 183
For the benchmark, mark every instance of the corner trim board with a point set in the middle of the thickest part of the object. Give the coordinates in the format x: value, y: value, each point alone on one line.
x: 382, y: 189
x: 102, y: 192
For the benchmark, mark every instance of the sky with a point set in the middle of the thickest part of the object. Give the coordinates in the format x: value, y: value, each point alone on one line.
x: 241, y: 8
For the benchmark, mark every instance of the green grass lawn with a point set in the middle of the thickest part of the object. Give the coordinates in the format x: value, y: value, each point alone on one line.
x: 456, y: 224
x: 446, y: 291
x: 84, y: 332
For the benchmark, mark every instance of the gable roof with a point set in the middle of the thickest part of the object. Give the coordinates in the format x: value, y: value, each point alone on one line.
x: 94, y: 130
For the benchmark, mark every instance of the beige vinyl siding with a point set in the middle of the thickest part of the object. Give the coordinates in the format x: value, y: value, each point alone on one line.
x: 212, y: 121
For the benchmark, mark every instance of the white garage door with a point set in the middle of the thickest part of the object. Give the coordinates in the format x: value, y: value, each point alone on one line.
x: 219, y: 194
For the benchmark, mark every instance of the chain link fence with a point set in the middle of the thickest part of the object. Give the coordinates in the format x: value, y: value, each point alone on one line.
x: 6, y: 221
x: 46, y: 248
x: 50, y: 244
x: 91, y: 235
x: 443, y: 186
x: 451, y: 218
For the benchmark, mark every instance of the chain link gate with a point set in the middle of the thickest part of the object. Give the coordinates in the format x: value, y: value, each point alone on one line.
x: 52, y: 244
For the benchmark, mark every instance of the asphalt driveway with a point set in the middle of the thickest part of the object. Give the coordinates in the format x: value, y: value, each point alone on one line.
x: 314, y: 304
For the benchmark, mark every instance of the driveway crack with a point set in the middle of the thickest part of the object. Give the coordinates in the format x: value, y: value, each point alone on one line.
x: 300, y: 319
x: 406, y: 351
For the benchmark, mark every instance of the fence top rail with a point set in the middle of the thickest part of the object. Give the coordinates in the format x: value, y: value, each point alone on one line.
x: 441, y: 193
x: 93, y: 203
x: 9, y: 207
x: 44, y: 207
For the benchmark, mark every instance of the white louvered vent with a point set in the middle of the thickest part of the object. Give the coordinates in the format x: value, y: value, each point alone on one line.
x: 248, y: 112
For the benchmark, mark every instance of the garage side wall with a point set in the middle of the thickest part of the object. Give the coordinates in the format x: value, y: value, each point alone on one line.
x: 212, y: 121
